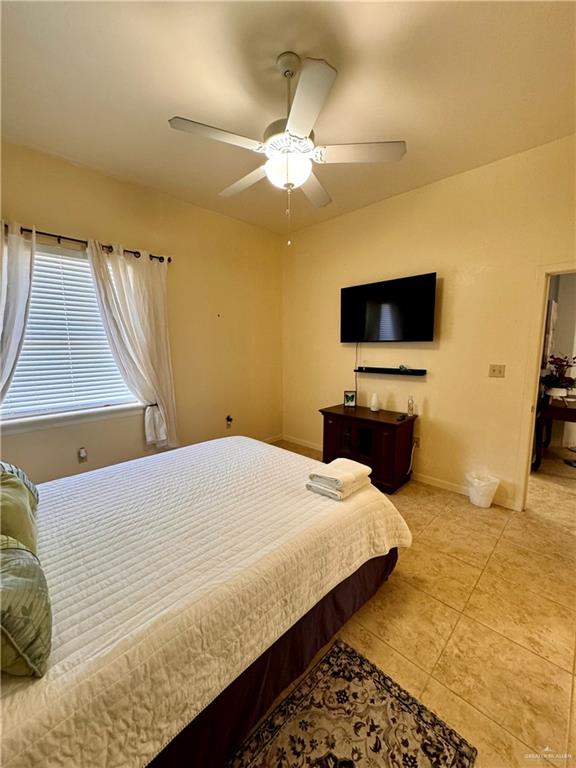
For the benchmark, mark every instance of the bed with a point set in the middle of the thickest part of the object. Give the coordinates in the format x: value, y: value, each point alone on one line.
x: 175, y: 578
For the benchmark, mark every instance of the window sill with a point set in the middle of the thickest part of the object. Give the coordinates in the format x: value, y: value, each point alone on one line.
x: 34, y: 423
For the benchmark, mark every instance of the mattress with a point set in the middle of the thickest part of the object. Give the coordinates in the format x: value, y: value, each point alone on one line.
x: 169, y: 576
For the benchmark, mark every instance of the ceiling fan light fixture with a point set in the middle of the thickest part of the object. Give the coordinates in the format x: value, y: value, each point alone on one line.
x: 288, y: 170
x: 289, y: 143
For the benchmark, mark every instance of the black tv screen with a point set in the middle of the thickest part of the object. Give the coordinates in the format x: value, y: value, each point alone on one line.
x: 393, y: 310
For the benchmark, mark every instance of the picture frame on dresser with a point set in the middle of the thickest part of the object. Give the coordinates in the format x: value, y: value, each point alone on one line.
x: 350, y: 398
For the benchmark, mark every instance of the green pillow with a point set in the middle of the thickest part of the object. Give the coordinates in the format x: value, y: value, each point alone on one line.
x: 25, y: 614
x: 17, y: 510
x: 12, y: 469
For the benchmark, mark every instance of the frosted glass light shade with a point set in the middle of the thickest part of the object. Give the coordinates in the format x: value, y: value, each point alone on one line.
x: 290, y: 169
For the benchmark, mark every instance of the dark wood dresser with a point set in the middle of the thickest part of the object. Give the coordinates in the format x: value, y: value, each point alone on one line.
x: 381, y: 439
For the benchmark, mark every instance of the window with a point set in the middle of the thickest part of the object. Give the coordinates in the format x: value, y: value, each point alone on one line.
x: 66, y: 363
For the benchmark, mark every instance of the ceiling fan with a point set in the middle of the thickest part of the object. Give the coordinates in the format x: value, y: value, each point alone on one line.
x: 288, y: 143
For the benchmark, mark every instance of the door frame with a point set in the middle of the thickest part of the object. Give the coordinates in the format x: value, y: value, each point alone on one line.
x: 532, y: 378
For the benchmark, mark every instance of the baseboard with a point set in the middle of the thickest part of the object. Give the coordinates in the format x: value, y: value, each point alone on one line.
x: 501, y: 498
x: 438, y: 483
x: 274, y: 439
x: 303, y: 443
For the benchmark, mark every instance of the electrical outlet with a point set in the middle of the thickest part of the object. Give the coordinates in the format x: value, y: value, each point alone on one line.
x: 496, y: 371
x: 416, y: 442
x: 82, y: 455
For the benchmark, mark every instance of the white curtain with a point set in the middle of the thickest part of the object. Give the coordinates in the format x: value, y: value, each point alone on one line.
x: 16, y: 261
x: 132, y: 296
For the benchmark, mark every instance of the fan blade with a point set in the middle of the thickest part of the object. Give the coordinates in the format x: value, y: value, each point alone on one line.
x: 208, y: 132
x: 370, y: 152
x: 245, y: 182
x: 316, y: 79
x: 315, y: 192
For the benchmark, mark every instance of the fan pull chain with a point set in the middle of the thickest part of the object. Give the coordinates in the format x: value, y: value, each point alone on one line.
x: 288, y: 74
x: 289, y: 214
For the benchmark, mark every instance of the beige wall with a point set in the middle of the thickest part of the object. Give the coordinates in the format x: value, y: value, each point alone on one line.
x: 485, y: 233
x: 224, y: 292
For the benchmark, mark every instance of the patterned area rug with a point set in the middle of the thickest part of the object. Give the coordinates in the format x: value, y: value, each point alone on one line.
x: 346, y: 713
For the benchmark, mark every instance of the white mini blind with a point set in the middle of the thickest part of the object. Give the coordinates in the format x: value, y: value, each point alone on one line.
x: 65, y: 363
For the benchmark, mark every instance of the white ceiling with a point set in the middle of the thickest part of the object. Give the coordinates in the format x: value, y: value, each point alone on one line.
x: 463, y: 83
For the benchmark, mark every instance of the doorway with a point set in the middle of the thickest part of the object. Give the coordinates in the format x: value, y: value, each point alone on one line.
x: 553, y: 464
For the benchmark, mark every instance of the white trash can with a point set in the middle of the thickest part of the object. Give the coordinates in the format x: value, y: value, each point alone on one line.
x: 481, y: 488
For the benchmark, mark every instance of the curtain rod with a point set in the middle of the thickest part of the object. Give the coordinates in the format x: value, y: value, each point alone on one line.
x: 107, y: 248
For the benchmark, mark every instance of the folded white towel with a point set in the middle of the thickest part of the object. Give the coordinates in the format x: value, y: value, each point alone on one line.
x: 340, y: 473
x: 333, y: 493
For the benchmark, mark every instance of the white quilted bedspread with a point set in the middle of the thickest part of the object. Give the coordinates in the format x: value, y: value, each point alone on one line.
x: 168, y: 576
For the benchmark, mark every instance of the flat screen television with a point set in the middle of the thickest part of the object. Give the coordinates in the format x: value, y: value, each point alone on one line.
x: 393, y: 310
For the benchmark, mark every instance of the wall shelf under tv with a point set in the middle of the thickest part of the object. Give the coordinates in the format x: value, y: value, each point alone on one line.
x: 393, y: 371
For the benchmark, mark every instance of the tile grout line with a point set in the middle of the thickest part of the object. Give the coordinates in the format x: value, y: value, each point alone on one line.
x: 381, y: 640
x: 572, y: 706
x: 452, y: 556
x: 428, y: 594
x: 482, y: 568
x: 462, y: 615
x: 488, y: 717
x: 463, y: 609
x: 413, y: 663
x: 459, y: 618
x: 429, y: 523
x: 469, y: 596
x: 482, y: 624
x: 461, y: 612
x: 534, y: 591
x: 513, y: 515
x: 430, y: 676
x: 484, y: 525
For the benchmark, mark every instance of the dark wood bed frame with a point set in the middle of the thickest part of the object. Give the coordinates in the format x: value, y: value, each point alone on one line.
x: 217, y: 732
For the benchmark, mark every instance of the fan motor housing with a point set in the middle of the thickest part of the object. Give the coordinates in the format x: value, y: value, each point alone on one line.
x: 277, y: 127
x: 278, y: 141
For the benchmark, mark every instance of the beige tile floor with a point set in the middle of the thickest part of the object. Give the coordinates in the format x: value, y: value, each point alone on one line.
x: 479, y: 618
